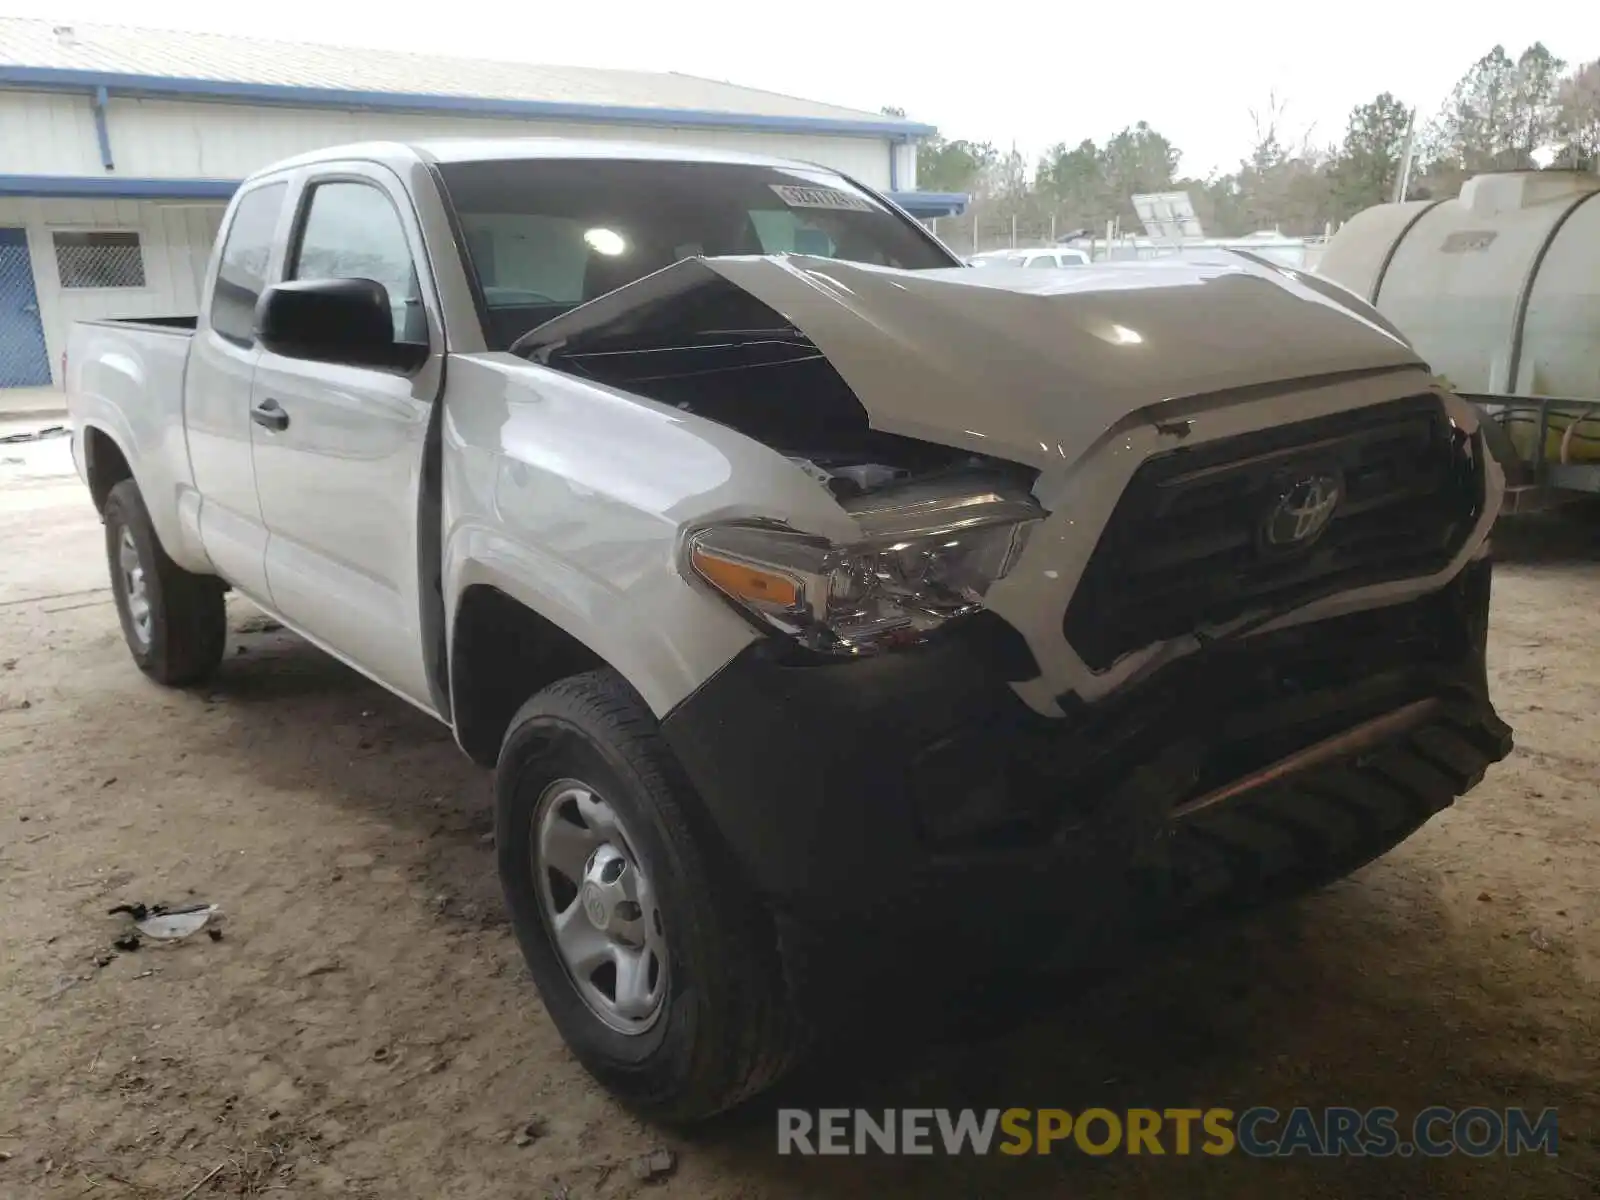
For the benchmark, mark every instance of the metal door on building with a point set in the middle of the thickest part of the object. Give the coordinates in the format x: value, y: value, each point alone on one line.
x: 24, y: 361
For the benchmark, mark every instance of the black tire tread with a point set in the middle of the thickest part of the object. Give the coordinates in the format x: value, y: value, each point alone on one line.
x: 190, y: 623
x: 759, y: 1036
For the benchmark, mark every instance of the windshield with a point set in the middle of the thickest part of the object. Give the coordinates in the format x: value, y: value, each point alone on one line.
x: 997, y: 260
x: 545, y: 235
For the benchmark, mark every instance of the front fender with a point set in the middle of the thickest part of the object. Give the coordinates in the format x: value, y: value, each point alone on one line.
x: 661, y: 634
x: 572, y: 499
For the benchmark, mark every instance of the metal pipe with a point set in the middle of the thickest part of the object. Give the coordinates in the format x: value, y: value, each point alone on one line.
x: 1544, y: 436
x: 1351, y: 741
x: 98, y: 100
x: 1403, y: 177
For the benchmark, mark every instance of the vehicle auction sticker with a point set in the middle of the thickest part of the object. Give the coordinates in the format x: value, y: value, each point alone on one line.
x: 819, y: 197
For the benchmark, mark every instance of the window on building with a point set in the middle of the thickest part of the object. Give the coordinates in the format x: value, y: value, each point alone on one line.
x: 352, y: 231
x: 243, y: 270
x: 99, y: 259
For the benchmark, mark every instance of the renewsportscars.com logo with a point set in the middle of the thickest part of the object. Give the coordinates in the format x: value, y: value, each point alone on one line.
x: 1259, y: 1132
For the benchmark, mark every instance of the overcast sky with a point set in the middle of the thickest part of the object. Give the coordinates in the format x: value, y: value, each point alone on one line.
x: 1037, y: 73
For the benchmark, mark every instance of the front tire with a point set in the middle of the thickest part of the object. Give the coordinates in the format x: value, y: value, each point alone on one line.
x: 656, y: 963
x: 174, y: 622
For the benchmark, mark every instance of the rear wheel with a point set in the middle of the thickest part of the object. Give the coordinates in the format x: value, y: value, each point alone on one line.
x: 174, y: 621
x: 655, y: 962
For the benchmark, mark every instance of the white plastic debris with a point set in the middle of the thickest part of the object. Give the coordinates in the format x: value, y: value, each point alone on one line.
x: 176, y: 924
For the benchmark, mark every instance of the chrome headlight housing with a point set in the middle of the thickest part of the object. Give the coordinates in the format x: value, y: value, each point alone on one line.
x: 926, y: 555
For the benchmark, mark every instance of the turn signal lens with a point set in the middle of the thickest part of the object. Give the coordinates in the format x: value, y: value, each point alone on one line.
x: 744, y: 582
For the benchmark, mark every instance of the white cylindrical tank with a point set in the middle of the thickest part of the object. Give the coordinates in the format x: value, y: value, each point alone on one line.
x: 1498, y: 289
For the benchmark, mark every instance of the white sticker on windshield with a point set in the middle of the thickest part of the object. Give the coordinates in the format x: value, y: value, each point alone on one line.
x: 819, y: 197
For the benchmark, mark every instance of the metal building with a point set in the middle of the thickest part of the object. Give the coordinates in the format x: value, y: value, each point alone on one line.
x: 120, y: 147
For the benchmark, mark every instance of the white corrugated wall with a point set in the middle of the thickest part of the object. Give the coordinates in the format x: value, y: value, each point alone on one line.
x: 47, y: 134
x: 174, y: 241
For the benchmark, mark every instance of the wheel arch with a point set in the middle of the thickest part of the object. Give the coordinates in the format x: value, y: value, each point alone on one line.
x: 105, y: 464
x: 501, y: 652
x: 560, y: 619
x: 108, y: 452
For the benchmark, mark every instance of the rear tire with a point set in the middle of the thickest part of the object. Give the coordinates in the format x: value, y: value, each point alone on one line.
x: 174, y: 621
x: 710, y: 1025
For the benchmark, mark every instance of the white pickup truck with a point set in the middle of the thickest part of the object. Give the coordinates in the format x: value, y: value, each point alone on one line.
x: 828, y: 609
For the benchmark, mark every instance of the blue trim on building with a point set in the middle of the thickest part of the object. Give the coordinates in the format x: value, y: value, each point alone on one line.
x: 62, y: 79
x: 93, y: 187
x: 102, y: 131
x: 932, y: 204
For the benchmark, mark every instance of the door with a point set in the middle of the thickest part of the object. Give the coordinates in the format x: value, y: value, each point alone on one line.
x: 24, y: 361
x: 216, y: 391
x: 338, y: 447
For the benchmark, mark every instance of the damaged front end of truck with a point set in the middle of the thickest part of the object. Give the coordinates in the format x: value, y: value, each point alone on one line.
x: 1171, y: 587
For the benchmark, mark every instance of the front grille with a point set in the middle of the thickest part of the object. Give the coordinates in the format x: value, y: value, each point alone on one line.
x: 1186, y: 550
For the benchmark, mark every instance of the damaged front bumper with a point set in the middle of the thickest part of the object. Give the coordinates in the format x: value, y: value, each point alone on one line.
x: 916, y: 792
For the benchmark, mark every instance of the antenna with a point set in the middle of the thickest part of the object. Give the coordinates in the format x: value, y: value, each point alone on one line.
x: 1167, y: 216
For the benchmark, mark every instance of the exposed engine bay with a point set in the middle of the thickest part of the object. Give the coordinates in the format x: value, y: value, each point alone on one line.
x: 938, y: 524
x: 720, y: 353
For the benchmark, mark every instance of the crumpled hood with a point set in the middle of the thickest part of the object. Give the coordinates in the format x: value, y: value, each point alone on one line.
x: 1024, y: 364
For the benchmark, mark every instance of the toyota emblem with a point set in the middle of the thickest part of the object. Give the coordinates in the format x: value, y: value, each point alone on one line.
x: 595, y: 907
x: 1302, y: 512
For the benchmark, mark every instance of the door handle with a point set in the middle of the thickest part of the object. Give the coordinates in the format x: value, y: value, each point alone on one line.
x: 269, y: 414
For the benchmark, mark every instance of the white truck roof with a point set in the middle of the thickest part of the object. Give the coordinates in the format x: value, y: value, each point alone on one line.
x: 450, y: 150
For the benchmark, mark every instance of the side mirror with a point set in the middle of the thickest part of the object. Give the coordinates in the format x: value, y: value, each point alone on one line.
x: 334, y: 320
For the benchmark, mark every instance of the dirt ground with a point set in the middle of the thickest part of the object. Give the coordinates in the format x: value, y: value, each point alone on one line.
x: 365, y: 1026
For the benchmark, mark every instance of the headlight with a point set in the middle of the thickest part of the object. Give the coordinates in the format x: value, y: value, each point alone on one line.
x: 925, y: 556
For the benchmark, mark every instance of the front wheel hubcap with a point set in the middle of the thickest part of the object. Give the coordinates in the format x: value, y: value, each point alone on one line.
x: 133, y: 586
x: 599, y: 906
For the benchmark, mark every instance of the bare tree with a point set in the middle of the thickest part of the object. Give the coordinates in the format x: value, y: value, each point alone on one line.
x: 1577, y: 121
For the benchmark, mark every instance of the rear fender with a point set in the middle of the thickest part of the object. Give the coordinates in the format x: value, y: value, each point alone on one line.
x: 110, y: 392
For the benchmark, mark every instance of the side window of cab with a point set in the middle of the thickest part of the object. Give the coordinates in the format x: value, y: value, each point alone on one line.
x: 352, y: 231
x: 242, y: 271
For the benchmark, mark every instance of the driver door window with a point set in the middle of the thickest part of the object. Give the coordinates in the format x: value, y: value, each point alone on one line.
x: 352, y: 231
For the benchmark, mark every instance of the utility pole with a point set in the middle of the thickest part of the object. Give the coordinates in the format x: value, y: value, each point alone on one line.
x: 1403, y: 178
